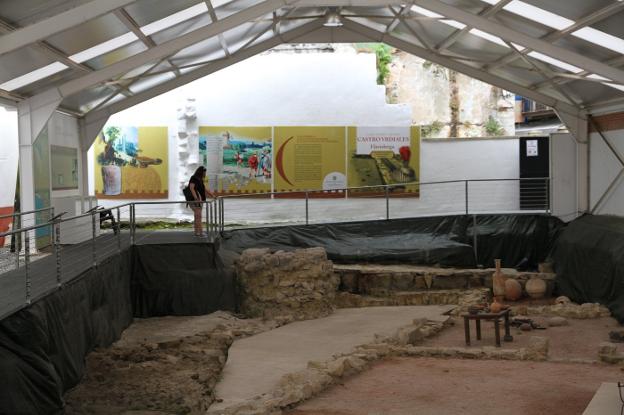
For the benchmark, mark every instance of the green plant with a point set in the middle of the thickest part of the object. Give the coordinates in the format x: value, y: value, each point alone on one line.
x: 431, y: 129
x: 384, y: 59
x: 493, y: 127
x: 383, y: 54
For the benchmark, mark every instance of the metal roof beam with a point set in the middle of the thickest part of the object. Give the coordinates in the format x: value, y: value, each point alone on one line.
x: 56, y: 24
x: 214, y: 18
x: 471, y: 71
x: 523, y: 39
x: 169, y: 48
x: 454, y: 37
x: 556, y: 35
x: 396, y: 20
x: 54, y: 53
x: 290, y: 36
x: 132, y: 25
x: 546, y: 74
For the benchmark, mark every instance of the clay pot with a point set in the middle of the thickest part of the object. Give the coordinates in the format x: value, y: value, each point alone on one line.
x: 498, y: 281
x: 536, y: 288
x: 513, y: 290
x: 496, y: 307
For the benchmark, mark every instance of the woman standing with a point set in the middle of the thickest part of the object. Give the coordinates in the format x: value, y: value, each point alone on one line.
x: 196, y: 184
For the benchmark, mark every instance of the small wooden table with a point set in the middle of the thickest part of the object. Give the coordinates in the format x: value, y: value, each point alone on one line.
x: 488, y: 316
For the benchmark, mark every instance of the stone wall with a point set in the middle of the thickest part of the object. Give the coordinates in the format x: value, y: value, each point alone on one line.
x: 449, y: 104
x: 383, y: 280
x: 295, y: 285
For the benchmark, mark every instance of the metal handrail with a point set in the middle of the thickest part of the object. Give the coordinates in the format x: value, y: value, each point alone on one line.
x: 97, y: 212
x: 214, y: 222
x: 254, y: 195
x: 18, y: 214
x: 382, y: 186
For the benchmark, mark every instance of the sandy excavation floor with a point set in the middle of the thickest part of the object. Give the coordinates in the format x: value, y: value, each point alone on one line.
x: 429, y: 386
x: 166, y: 365
x: 579, y: 340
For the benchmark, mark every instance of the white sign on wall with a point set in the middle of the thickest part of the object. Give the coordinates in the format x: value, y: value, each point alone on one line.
x: 531, y: 148
x: 371, y: 139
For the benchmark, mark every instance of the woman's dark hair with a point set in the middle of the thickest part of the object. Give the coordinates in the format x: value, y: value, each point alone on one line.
x: 199, y: 173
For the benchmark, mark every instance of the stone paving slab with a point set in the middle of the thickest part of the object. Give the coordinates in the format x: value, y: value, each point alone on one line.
x: 605, y: 401
x: 256, y: 364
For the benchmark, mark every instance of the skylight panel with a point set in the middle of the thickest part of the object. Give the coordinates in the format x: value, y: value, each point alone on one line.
x: 602, y: 78
x: 174, y: 19
x: 104, y: 47
x: 538, y: 15
x: 600, y: 38
x: 33, y: 76
x: 459, y: 25
x: 487, y: 36
x: 426, y: 12
x: 555, y: 62
x: 454, y: 23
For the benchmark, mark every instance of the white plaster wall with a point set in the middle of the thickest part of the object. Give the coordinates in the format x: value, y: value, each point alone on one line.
x: 604, y: 167
x: 63, y: 131
x: 273, y: 89
x: 474, y: 159
x: 564, y: 172
x: 327, y: 89
x: 9, y: 154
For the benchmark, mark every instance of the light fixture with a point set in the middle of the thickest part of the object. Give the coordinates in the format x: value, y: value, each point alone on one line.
x: 332, y: 18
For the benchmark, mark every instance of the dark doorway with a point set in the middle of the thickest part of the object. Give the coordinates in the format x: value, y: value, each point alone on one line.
x: 534, y: 173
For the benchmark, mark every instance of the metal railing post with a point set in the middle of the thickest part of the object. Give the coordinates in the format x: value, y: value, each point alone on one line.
x: 17, y: 246
x: 307, y: 208
x: 50, y: 216
x: 132, y: 222
x: 466, y: 195
x: 57, y: 252
x: 213, y: 217
x: 221, y: 215
x: 548, y: 196
x: 118, y: 230
x: 474, y: 239
x: 387, y: 191
x: 207, y: 204
x: 211, y: 209
x: 27, y: 266
x: 93, y: 247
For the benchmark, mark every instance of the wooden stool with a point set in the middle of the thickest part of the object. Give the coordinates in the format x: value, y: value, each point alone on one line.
x: 488, y: 316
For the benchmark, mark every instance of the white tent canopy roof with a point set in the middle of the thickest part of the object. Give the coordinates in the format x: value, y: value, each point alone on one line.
x: 99, y: 57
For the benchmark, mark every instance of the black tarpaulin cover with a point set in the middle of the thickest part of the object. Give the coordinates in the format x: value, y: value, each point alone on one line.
x: 180, y: 279
x: 589, y: 261
x: 515, y: 237
x: 443, y: 240
x: 42, y: 348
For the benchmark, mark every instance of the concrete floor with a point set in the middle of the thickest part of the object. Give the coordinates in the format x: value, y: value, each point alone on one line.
x: 256, y: 364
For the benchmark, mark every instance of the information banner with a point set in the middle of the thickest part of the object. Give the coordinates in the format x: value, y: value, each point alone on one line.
x: 131, y: 163
x: 384, y: 156
x: 237, y: 159
x: 309, y: 158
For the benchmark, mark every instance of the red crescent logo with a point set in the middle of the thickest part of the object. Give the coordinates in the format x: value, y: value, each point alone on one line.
x: 279, y: 162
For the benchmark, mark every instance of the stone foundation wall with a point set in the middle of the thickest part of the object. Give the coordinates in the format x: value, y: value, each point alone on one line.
x: 295, y: 285
x: 376, y: 280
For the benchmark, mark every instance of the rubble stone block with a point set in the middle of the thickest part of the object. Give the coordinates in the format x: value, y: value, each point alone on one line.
x: 295, y: 285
